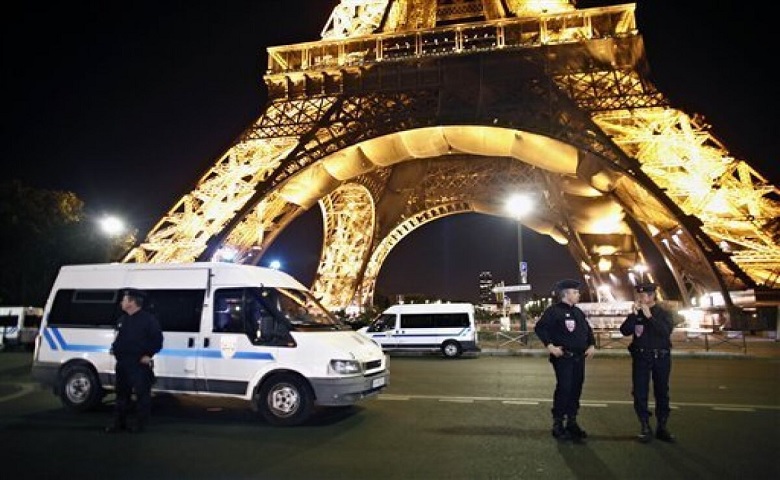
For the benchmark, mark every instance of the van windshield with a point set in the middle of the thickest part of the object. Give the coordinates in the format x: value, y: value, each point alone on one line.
x: 301, y: 309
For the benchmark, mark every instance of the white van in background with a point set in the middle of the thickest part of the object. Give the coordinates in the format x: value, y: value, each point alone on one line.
x: 19, y: 326
x: 425, y: 327
x: 229, y: 330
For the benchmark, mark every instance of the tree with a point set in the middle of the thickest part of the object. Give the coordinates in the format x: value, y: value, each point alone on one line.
x: 41, y: 231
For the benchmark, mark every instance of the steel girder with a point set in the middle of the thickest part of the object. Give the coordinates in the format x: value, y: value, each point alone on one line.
x: 570, y: 81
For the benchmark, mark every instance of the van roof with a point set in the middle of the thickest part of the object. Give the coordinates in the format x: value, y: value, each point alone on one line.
x: 221, y: 274
x: 430, y: 308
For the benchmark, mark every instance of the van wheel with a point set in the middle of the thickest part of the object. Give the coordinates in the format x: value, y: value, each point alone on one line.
x: 451, y: 349
x: 285, y: 400
x: 80, y: 390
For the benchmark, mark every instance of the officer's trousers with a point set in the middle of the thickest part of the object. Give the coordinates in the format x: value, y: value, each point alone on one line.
x: 647, y: 365
x: 569, y: 376
x: 133, y: 376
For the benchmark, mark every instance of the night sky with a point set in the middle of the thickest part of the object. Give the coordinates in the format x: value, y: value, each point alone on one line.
x: 127, y: 103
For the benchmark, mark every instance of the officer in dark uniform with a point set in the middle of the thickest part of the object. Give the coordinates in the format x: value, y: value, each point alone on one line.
x: 651, y: 327
x: 137, y: 340
x: 569, y: 338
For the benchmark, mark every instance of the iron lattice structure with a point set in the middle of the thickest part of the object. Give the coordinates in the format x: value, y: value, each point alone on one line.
x: 409, y: 111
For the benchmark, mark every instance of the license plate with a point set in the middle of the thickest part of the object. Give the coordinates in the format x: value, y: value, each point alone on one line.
x: 377, y: 382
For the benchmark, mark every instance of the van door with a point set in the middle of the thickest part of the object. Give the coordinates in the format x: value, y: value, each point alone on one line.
x: 234, y: 349
x: 176, y: 298
x: 417, y: 330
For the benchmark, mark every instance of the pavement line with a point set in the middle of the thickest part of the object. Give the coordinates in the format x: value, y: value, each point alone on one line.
x: 733, y: 409
x: 26, y: 388
x: 597, y: 403
x: 457, y: 400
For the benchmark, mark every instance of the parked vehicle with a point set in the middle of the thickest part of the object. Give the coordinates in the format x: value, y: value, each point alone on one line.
x: 19, y: 326
x: 445, y: 327
x: 229, y: 330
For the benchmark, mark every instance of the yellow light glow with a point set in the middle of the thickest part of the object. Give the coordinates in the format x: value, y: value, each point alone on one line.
x: 605, y: 249
x: 605, y: 265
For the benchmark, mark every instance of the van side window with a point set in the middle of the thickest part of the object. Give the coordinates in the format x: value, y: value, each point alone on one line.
x: 176, y: 310
x: 452, y: 320
x: 229, y: 311
x: 85, y: 308
x: 239, y: 310
x: 434, y: 320
x: 417, y: 320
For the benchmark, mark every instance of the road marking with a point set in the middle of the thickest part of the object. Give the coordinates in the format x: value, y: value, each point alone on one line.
x: 385, y: 396
x: 26, y: 388
x: 596, y: 404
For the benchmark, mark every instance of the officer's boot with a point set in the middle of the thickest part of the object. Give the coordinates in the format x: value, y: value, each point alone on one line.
x: 574, y: 429
x: 558, y: 431
x: 645, y: 433
x: 662, y: 433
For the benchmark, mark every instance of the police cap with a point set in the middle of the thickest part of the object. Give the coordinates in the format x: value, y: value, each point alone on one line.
x: 135, y: 293
x: 567, y: 284
x: 646, y: 288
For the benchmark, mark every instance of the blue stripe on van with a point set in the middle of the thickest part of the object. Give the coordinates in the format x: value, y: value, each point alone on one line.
x: 68, y: 347
x: 54, y: 337
x: 49, y: 340
x: 463, y: 332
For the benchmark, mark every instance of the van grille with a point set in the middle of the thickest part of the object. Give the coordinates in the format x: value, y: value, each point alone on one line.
x: 373, y: 364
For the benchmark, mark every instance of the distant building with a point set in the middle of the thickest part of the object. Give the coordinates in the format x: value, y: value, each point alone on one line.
x: 486, y: 295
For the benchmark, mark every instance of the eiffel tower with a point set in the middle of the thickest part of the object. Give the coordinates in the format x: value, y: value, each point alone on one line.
x: 407, y: 111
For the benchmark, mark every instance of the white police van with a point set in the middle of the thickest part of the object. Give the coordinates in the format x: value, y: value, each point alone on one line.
x: 19, y: 326
x: 446, y: 327
x: 229, y: 330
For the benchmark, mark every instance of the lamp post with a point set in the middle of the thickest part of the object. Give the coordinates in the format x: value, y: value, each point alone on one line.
x: 518, y: 206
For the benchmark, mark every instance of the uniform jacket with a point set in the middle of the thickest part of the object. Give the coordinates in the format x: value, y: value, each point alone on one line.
x: 565, y: 325
x: 138, y: 334
x: 649, y: 333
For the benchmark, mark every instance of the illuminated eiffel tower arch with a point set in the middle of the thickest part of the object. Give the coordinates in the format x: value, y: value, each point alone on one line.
x: 409, y: 111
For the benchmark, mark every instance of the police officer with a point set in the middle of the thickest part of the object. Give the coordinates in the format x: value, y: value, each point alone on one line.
x: 137, y: 340
x: 651, y: 327
x: 569, y: 338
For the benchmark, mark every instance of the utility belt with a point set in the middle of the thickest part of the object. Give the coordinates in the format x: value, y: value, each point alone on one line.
x: 654, y: 352
x: 572, y: 354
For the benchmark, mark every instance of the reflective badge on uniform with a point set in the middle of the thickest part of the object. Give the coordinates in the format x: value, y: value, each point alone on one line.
x: 638, y: 329
x: 570, y: 325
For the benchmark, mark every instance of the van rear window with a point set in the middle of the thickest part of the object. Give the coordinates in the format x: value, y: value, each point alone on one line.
x: 176, y: 310
x: 85, y: 308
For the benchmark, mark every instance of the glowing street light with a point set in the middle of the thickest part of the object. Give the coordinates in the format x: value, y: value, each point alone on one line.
x: 112, y: 226
x: 275, y: 264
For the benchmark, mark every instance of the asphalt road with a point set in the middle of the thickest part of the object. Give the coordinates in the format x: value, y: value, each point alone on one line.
x: 471, y: 418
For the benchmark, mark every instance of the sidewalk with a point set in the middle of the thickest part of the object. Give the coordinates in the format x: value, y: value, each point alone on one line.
x: 713, y: 345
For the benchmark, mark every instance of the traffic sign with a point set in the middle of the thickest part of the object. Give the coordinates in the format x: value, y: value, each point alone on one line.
x: 512, y: 288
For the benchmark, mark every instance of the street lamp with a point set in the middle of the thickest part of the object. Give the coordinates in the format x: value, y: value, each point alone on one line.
x: 518, y: 206
x: 118, y: 236
x: 112, y: 226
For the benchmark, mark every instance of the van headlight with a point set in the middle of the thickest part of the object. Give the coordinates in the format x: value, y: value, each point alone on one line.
x: 345, y: 367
